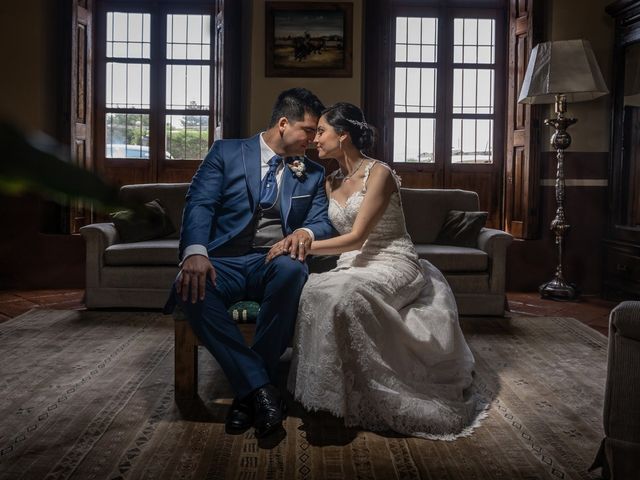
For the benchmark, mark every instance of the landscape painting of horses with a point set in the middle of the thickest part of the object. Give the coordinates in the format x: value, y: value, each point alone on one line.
x: 309, y: 39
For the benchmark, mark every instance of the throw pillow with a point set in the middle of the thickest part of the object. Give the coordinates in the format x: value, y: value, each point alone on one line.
x: 461, y: 229
x: 146, y: 223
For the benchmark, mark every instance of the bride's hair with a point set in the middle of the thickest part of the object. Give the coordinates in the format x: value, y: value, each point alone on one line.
x: 346, y: 117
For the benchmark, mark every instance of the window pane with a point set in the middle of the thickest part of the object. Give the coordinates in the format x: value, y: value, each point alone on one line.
x: 127, y: 85
x: 486, y: 31
x: 401, y: 30
x: 401, y: 53
x: 187, y: 87
x: 414, y: 28
x: 187, y: 136
x: 188, y: 37
x: 416, y: 39
x: 430, y: 32
x: 415, y: 90
x: 414, y: 140
x: 473, y: 90
x: 473, y: 40
x: 413, y: 53
x: 399, y: 139
x: 127, y: 135
x: 128, y: 35
x: 427, y: 135
x: 472, y: 141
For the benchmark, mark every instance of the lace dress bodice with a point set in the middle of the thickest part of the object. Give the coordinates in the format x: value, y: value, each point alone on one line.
x: 388, y: 238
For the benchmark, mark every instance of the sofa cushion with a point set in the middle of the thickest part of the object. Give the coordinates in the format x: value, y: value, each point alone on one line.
x: 449, y: 258
x: 151, y: 252
x: 426, y: 209
x: 461, y: 228
x: 140, y: 278
x: 171, y: 196
x: 147, y: 223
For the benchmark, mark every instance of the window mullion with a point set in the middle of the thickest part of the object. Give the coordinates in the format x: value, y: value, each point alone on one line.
x: 444, y: 87
x: 157, y: 90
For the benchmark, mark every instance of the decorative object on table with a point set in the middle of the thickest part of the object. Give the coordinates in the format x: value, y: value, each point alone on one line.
x: 308, y: 39
x: 560, y: 72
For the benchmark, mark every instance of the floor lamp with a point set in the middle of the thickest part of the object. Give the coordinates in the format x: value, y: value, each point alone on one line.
x: 560, y: 72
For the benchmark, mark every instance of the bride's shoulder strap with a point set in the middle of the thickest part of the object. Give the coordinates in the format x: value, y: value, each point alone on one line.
x: 367, y: 171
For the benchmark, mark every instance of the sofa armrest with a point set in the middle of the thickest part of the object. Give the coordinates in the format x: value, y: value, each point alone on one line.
x: 98, y: 237
x: 494, y: 243
x: 625, y: 320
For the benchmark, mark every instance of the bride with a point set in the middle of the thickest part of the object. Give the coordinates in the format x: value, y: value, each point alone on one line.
x: 377, y: 338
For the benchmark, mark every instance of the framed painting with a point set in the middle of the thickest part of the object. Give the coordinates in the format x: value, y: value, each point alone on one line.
x: 308, y: 39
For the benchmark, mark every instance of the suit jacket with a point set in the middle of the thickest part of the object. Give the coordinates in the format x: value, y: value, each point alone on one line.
x: 225, y: 192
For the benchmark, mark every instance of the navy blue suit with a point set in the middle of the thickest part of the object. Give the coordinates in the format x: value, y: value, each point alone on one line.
x: 220, y: 204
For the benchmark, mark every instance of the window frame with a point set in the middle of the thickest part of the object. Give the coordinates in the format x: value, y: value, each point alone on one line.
x: 143, y: 170
x: 444, y: 87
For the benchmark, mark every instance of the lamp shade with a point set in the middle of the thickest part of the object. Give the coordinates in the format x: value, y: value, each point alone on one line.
x: 566, y: 67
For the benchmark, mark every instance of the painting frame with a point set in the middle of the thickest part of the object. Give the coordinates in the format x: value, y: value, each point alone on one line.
x: 298, y: 34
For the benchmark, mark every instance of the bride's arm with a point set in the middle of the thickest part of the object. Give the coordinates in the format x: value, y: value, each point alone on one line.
x: 380, y: 186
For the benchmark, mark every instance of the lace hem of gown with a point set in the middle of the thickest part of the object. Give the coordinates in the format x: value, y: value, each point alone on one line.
x: 382, y: 363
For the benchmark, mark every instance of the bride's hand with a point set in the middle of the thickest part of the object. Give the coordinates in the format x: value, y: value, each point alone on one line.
x: 277, y: 250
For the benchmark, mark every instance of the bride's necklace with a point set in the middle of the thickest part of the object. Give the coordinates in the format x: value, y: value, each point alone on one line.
x: 346, y: 178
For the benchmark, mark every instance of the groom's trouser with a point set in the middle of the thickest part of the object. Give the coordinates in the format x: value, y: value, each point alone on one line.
x: 276, y: 286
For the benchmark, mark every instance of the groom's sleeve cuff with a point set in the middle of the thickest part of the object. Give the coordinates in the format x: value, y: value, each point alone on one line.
x: 308, y: 230
x: 194, y: 250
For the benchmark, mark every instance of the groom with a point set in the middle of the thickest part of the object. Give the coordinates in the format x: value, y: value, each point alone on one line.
x: 246, y: 196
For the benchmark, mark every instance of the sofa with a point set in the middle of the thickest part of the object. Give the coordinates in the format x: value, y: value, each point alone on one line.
x: 619, y: 454
x: 139, y: 274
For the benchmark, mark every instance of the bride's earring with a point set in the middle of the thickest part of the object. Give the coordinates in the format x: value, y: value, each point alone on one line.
x: 340, y: 143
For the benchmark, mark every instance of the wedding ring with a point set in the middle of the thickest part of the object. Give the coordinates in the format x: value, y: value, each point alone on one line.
x: 301, y: 243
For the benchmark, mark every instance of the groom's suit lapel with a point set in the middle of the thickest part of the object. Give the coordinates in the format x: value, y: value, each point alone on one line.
x: 251, y: 160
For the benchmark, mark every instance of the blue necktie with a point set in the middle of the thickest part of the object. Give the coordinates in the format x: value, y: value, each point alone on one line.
x: 269, y: 188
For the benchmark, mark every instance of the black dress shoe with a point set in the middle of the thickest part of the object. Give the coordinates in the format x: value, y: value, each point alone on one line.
x: 239, y: 417
x: 269, y: 411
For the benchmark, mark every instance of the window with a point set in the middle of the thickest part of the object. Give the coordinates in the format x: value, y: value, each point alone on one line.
x: 415, y: 81
x: 181, y: 50
x: 440, y: 109
x: 158, y: 73
x: 473, y: 90
x: 444, y: 71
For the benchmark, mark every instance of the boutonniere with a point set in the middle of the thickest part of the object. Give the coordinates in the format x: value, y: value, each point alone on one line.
x: 298, y: 168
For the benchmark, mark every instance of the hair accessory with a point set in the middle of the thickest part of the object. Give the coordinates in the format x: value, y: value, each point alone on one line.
x: 362, y: 125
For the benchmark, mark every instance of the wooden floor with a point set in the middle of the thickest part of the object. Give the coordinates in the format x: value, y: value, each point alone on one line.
x: 590, y: 310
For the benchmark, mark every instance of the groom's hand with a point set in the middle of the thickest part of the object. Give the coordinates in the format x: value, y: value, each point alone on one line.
x: 193, y: 277
x: 298, y: 244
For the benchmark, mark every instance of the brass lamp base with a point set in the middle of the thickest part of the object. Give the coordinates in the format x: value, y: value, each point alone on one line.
x: 558, y: 289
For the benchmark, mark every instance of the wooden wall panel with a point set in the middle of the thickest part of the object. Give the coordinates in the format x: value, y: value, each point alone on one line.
x: 81, y: 102
x: 521, y: 179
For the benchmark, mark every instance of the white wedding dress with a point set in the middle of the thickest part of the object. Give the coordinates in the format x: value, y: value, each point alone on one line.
x: 377, y: 339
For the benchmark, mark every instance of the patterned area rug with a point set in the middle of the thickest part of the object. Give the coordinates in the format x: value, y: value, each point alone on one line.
x: 89, y: 395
